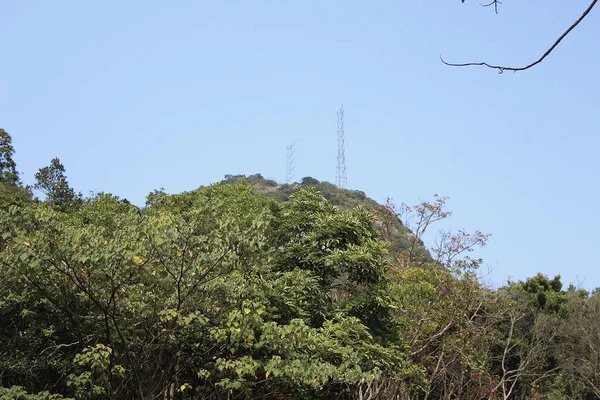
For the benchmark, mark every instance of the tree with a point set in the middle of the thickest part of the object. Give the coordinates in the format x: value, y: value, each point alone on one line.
x: 577, y: 348
x: 502, y: 68
x: 8, y: 167
x: 545, y: 294
x: 11, y: 190
x: 52, y: 181
x: 309, y: 181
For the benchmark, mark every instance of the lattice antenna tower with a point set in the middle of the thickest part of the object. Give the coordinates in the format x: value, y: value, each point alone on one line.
x: 341, y: 180
x: 289, y: 163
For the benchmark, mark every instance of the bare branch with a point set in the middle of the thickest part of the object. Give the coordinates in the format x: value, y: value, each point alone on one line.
x: 502, y: 68
x: 493, y: 3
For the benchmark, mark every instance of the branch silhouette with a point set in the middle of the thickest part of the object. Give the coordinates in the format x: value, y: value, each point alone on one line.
x: 502, y: 68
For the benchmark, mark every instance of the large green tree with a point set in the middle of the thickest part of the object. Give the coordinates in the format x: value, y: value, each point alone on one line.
x: 8, y: 167
x: 52, y: 181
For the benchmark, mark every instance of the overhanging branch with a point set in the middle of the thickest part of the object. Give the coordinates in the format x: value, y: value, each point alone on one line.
x: 502, y: 68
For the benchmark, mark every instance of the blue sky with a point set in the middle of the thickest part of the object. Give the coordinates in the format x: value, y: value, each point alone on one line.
x: 138, y: 95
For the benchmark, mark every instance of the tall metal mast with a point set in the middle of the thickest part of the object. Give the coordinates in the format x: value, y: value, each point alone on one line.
x: 289, y: 163
x: 341, y: 180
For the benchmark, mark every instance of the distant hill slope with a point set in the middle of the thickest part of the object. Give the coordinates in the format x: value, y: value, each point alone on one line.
x: 391, y: 227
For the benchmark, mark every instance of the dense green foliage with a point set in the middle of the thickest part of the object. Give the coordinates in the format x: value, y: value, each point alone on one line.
x: 391, y: 227
x: 227, y: 292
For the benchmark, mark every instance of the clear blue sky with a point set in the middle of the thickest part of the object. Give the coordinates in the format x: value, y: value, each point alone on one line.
x: 138, y: 95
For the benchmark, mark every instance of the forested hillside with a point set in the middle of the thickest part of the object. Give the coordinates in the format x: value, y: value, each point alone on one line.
x: 251, y: 289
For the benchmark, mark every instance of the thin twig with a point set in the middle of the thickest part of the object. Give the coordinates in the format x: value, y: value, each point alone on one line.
x: 493, y: 3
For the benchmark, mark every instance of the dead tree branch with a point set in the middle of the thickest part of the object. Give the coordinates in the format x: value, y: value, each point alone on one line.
x: 502, y: 68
